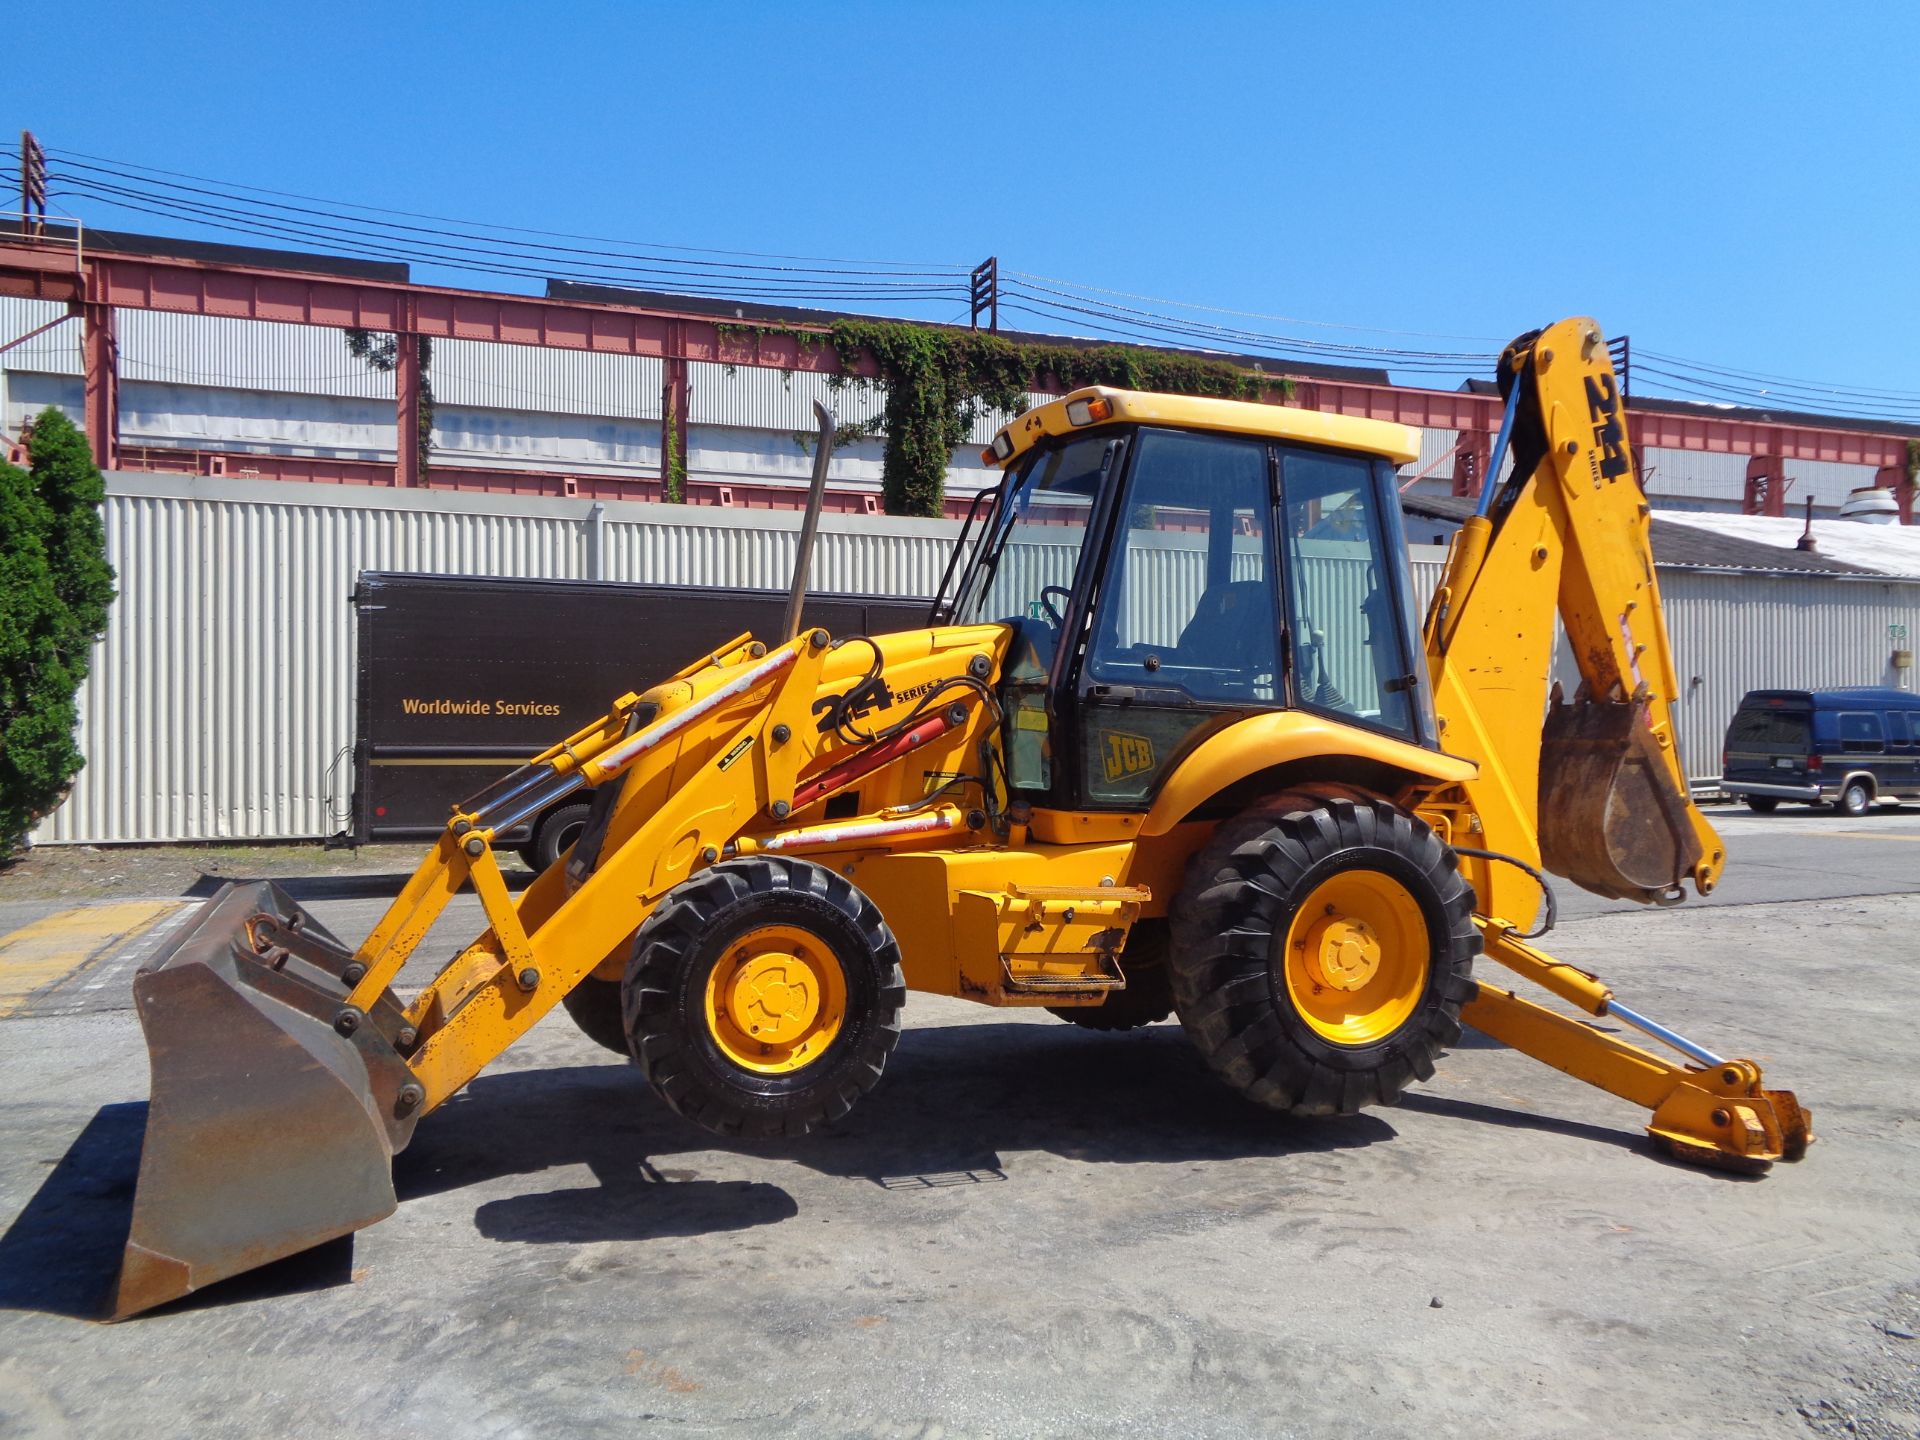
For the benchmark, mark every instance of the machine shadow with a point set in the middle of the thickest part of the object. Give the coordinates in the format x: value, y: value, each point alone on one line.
x: 954, y: 1102
x: 1478, y: 1114
x: 61, y: 1256
x: 633, y: 1202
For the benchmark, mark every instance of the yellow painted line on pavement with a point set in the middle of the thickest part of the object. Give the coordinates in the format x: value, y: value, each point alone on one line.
x: 1872, y: 835
x: 47, y: 951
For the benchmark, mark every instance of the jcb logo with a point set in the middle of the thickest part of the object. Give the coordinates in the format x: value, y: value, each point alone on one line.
x: 1126, y: 755
x: 1609, y: 435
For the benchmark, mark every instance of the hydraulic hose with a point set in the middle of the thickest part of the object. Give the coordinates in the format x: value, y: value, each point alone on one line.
x: 1546, y: 886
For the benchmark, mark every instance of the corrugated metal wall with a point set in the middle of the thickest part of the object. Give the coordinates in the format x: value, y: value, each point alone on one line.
x: 1732, y: 633
x: 222, y: 693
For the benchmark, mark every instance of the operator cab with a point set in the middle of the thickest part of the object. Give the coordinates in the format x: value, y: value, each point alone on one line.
x: 1206, y: 560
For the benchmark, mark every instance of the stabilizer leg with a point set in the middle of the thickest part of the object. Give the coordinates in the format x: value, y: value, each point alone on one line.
x: 1719, y: 1116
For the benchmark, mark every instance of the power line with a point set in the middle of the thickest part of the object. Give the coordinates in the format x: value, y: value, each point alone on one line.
x: 1226, y: 341
x: 719, y: 267
x: 1782, y: 380
x: 493, y: 261
x: 480, y: 247
x: 1477, y: 360
x: 511, y: 229
x: 1247, y: 314
x: 1730, y: 394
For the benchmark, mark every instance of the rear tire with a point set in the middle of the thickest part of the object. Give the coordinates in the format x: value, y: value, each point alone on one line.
x: 1856, y: 799
x: 1322, y: 949
x: 1148, y: 998
x: 763, y: 996
x: 594, y: 1005
x: 1763, y: 804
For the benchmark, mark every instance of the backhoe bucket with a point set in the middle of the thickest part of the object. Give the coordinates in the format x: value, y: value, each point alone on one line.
x: 1612, y: 817
x: 275, y: 1110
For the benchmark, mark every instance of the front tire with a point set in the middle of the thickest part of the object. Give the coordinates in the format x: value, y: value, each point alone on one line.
x: 763, y: 996
x: 1322, y: 949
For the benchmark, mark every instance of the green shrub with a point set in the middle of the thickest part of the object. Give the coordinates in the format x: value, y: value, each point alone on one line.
x: 55, y: 586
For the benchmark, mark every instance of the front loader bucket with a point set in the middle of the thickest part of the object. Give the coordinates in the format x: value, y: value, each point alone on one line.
x: 275, y: 1111
x: 1612, y: 817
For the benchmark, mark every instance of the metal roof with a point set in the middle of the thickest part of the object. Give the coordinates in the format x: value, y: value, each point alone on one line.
x: 748, y: 313
x: 1688, y: 546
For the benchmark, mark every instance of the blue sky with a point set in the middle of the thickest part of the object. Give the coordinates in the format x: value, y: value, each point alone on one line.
x: 1735, y: 185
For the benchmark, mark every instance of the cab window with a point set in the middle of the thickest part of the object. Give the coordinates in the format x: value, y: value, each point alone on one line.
x: 1028, y: 565
x: 1350, y: 648
x: 1189, y: 603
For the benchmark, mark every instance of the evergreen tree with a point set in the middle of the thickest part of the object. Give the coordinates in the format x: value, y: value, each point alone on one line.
x: 55, y: 587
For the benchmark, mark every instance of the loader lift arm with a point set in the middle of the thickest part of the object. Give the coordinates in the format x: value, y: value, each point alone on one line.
x: 1597, y: 793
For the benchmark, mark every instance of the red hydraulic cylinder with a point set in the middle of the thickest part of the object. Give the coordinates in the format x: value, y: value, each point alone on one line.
x: 875, y: 756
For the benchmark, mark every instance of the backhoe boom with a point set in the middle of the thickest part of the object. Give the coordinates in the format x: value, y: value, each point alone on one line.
x: 1592, y: 789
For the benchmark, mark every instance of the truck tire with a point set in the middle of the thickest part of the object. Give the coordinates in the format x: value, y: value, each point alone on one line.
x: 1322, y: 948
x: 1855, y: 799
x: 554, y: 835
x: 1763, y: 804
x: 763, y: 996
x: 594, y: 1006
x: 1148, y: 998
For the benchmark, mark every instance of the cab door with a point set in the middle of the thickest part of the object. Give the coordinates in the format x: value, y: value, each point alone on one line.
x: 1185, y: 633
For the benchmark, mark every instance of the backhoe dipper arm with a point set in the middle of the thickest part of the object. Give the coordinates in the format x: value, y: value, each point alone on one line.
x: 1593, y: 790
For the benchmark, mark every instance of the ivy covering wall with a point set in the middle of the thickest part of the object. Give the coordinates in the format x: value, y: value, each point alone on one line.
x: 939, y: 381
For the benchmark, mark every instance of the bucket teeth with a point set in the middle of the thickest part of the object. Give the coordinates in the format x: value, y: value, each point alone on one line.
x: 271, y: 1126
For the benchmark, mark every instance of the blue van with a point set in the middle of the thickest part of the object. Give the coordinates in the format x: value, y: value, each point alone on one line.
x: 1847, y: 747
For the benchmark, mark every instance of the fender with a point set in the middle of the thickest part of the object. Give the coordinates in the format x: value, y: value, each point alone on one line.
x: 1265, y: 742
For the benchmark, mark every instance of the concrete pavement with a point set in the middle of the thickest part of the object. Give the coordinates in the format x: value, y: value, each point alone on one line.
x: 1028, y: 1229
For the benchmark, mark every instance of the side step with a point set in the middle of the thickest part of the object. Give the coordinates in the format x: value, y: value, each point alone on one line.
x: 1063, y: 942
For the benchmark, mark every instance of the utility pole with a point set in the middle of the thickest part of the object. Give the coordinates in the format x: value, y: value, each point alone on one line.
x: 984, y: 292
x: 33, y: 186
x: 1621, y: 348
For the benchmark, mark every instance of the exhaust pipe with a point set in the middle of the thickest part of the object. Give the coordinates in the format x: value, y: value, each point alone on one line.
x: 816, y: 495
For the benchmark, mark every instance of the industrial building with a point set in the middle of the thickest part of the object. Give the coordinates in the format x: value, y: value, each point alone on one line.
x: 201, y: 384
x: 253, y: 475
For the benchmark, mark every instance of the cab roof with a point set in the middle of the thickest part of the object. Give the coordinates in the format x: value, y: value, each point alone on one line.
x: 1398, y: 443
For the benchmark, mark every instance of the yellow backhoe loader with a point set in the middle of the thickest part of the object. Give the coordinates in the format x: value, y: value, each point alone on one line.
x: 1175, y: 743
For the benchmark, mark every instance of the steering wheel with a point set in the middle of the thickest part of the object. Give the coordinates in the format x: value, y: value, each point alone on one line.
x: 1059, y: 619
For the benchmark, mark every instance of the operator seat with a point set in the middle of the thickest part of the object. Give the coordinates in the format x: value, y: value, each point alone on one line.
x: 1232, y: 632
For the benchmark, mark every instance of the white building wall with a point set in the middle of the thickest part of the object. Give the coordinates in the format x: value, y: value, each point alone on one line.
x: 220, y: 701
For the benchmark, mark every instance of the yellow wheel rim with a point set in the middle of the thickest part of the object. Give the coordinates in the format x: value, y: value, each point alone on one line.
x: 1357, y: 956
x: 776, y: 999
